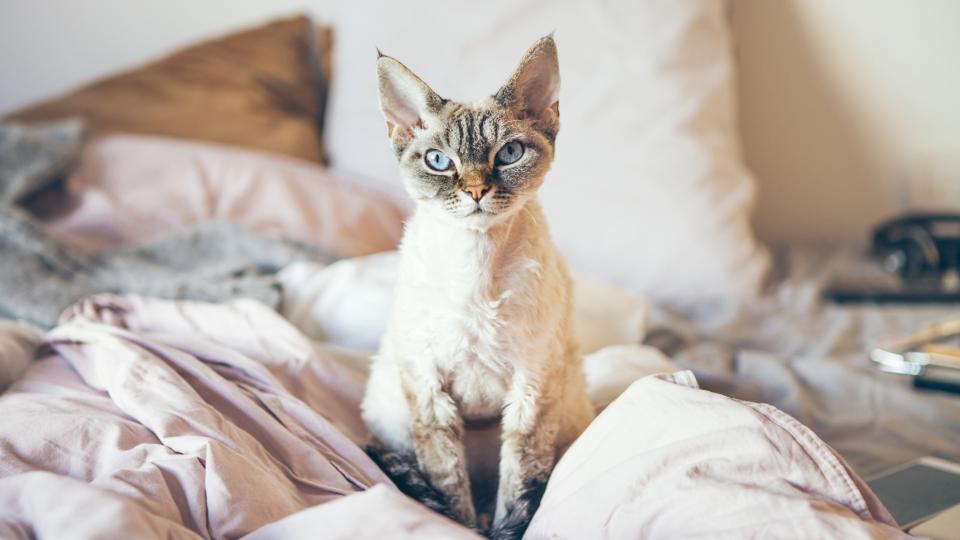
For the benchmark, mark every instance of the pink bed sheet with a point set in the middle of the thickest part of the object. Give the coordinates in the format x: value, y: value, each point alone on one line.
x: 155, y: 418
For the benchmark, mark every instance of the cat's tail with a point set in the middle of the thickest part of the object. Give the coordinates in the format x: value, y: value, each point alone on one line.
x: 404, y: 470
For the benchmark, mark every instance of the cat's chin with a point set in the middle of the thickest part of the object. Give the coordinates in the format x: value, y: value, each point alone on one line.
x: 485, y: 220
x: 478, y: 219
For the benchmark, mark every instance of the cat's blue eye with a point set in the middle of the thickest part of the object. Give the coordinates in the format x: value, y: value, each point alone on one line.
x: 437, y: 160
x: 510, y: 153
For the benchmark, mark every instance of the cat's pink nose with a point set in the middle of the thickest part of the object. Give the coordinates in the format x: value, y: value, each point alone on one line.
x: 477, y: 191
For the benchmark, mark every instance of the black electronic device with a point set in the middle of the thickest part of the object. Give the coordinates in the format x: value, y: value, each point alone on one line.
x: 920, y: 254
x: 919, y: 247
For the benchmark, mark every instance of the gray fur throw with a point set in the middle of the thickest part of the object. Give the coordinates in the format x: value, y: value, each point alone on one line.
x: 40, y: 277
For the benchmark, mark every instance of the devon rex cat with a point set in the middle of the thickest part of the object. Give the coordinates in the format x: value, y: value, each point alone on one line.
x: 481, y: 327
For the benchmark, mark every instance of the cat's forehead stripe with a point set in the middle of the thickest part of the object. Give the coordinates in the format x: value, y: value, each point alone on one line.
x: 471, y: 132
x: 467, y: 141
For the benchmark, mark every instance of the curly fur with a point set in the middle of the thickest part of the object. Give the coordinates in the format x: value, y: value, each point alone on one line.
x: 481, y: 327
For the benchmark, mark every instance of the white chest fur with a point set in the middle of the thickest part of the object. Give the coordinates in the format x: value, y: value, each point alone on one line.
x: 477, y: 307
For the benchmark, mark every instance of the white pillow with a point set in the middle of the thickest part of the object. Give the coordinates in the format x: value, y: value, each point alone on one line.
x: 348, y: 304
x: 648, y: 189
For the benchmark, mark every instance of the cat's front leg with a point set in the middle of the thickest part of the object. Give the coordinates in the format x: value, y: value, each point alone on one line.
x: 436, y: 431
x: 529, y: 433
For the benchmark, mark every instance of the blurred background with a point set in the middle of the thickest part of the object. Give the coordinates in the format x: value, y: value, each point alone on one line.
x: 847, y: 110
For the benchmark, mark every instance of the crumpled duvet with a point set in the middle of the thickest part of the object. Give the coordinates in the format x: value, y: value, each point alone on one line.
x: 669, y: 460
x: 156, y: 418
x: 176, y: 419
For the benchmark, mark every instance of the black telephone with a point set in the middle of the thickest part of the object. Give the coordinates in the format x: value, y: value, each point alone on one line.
x: 921, y: 253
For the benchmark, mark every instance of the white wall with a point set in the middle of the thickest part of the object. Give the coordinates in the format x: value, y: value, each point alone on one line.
x: 840, y: 101
x: 48, y: 46
x: 850, y: 112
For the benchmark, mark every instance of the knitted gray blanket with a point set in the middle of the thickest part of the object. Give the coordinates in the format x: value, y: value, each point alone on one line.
x: 40, y: 277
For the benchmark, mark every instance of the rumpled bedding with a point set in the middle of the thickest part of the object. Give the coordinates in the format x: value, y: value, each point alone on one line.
x: 41, y: 275
x: 18, y: 341
x: 806, y: 356
x: 180, y: 419
x: 147, y: 417
x: 176, y: 419
x: 810, y: 358
x: 668, y: 460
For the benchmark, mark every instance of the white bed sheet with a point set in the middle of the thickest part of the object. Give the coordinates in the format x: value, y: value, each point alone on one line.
x: 809, y: 358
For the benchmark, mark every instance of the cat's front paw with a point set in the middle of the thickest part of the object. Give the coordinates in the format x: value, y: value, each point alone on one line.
x: 511, y: 527
x: 405, y: 472
x: 517, y: 515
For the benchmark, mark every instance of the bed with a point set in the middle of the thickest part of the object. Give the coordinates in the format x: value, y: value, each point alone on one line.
x: 189, y: 317
x: 810, y: 358
x: 184, y: 418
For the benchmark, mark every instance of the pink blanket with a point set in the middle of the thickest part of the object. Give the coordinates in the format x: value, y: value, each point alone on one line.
x: 157, y: 418
x: 152, y: 418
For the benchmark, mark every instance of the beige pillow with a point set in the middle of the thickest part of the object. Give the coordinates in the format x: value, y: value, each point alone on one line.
x: 260, y: 88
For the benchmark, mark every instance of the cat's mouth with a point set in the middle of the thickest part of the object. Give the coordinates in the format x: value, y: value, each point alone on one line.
x: 480, y: 211
x: 474, y: 211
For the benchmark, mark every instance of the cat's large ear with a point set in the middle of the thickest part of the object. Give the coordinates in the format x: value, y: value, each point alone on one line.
x: 406, y: 101
x: 533, y: 91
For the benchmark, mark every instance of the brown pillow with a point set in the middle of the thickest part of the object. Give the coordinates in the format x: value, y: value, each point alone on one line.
x: 261, y: 88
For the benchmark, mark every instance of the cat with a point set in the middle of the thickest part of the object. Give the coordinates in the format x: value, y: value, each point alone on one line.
x: 481, y: 328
